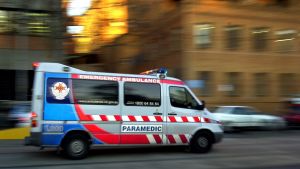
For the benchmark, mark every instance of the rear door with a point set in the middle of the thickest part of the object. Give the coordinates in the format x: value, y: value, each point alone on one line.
x: 142, y: 113
x: 83, y: 104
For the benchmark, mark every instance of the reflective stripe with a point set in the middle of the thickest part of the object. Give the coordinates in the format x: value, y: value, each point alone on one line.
x: 151, y: 139
x: 178, y: 119
x: 177, y: 138
x: 190, y: 119
x: 131, y: 118
x: 111, y: 118
x: 152, y: 118
x: 125, y: 118
x: 96, y: 117
x: 171, y: 139
x: 139, y: 118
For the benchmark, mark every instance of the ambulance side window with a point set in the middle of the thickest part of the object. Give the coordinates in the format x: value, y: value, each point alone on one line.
x: 81, y: 91
x: 98, y: 92
x: 142, y: 94
x: 181, y: 98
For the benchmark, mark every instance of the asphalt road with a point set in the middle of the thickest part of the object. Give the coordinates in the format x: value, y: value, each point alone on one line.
x: 246, y: 150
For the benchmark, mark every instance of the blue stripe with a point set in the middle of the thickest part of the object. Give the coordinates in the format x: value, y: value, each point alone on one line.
x: 55, y: 138
x: 52, y: 139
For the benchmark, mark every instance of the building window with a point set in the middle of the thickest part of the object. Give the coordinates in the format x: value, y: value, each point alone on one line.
x: 233, y: 37
x: 282, y: 3
x: 25, y: 23
x: 285, y: 40
x: 260, y: 38
x: 4, y: 22
x: 142, y: 94
x: 38, y: 24
x: 207, y: 85
x: 203, y: 35
x: 175, y: 39
x: 287, y: 84
x: 234, y: 81
x: 261, y: 84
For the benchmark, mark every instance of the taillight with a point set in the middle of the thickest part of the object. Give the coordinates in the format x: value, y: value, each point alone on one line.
x: 35, y: 65
x: 34, y: 119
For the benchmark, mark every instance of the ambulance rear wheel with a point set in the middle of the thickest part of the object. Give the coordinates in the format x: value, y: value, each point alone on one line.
x: 201, y: 143
x: 76, y: 147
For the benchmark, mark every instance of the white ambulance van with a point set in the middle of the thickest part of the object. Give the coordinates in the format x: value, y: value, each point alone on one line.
x: 74, y: 110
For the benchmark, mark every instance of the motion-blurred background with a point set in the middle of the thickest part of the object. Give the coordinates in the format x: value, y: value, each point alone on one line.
x: 230, y: 52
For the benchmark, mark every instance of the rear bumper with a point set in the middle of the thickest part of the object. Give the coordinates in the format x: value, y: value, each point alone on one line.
x: 218, y: 137
x: 33, y: 140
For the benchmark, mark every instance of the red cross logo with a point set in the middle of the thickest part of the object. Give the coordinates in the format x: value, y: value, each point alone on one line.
x: 60, y: 87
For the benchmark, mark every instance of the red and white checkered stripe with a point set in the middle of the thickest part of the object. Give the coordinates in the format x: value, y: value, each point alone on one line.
x: 131, y: 118
x: 183, y: 119
x: 142, y: 118
x: 171, y: 138
x: 154, y: 138
x: 178, y: 138
x: 106, y: 117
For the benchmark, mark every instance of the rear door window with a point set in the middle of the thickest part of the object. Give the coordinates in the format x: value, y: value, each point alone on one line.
x: 79, y: 91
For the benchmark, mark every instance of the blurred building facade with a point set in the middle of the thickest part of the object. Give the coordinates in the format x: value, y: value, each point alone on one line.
x: 30, y: 31
x: 92, y: 24
x: 237, y: 52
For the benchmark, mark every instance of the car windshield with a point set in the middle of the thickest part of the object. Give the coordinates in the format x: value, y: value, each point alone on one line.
x: 21, y: 109
x: 295, y: 108
x: 226, y: 110
x: 245, y: 111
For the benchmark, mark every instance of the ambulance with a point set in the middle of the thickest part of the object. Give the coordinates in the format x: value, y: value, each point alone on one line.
x: 74, y: 110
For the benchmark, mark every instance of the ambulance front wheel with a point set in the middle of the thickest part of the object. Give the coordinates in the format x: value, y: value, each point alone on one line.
x: 201, y: 143
x: 76, y: 147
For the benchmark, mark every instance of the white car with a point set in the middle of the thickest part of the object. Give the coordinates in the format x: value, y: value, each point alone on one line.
x: 19, y: 115
x: 241, y: 117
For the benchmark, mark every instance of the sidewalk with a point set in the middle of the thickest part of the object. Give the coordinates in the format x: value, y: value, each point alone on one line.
x: 14, y: 133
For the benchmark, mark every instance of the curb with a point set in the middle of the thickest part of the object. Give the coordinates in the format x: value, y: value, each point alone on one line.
x: 15, y: 133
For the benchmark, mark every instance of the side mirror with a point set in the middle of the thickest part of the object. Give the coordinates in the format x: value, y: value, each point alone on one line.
x: 202, y: 106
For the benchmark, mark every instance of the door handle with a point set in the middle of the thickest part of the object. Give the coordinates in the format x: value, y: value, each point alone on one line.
x: 174, y: 114
x: 157, y: 113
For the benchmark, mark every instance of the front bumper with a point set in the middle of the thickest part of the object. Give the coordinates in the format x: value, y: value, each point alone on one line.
x: 33, y: 140
x: 218, y: 137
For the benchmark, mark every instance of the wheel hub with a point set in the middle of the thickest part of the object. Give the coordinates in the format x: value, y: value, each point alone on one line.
x: 202, y: 142
x: 77, y: 146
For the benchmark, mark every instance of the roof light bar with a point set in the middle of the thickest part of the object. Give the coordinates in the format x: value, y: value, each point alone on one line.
x: 160, y: 72
x: 155, y: 71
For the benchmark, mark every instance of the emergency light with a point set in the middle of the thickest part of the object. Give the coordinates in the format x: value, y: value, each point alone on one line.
x: 160, y: 72
x: 35, y: 65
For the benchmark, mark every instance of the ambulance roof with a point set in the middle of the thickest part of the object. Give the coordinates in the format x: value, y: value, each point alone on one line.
x: 59, y: 68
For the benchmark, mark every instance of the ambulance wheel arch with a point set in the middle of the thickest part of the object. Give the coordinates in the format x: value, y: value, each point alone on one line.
x: 202, y: 141
x: 76, y: 144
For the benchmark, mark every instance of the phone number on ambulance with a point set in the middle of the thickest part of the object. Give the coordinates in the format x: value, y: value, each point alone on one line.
x: 141, y: 103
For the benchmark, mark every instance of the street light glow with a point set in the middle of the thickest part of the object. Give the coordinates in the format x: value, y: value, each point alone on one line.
x: 78, y: 7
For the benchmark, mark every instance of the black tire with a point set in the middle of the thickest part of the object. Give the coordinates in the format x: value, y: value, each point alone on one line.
x: 76, y: 147
x: 201, y: 143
